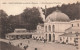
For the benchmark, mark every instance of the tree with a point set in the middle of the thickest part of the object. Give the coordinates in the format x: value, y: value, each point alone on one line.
x: 31, y: 16
x: 3, y: 23
x: 72, y: 10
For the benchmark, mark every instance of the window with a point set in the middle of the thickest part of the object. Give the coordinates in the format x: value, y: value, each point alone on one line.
x: 49, y: 28
x: 70, y: 38
x: 60, y: 39
x: 20, y: 31
x: 33, y: 36
x: 38, y: 27
x: 78, y: 24
x: 45, y: 28
x: 7, y: 36
x: 67, y: 39
x: 46, y: 36
x: 36, y: 37
x: 53, y: 28
x: 72, y: 25
x: 39, y: 36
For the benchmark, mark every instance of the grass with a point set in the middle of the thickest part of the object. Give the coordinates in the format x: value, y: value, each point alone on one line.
x: 6, y: 46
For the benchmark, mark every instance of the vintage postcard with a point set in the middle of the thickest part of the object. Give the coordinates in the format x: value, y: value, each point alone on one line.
x: 39, y: 24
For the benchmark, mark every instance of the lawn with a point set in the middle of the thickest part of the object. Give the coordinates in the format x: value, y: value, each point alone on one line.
x: 6, y: 46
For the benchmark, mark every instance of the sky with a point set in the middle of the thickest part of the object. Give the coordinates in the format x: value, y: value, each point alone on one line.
x: 15, y: 7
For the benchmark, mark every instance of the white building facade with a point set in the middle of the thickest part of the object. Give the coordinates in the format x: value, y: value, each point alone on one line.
x: 70, y: 36
x: 39, y: 34
x: 78, y: 43
x: 55, y: 25
x: 19, y: 34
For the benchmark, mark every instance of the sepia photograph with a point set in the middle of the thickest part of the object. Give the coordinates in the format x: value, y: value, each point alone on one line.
x: 39, y: 24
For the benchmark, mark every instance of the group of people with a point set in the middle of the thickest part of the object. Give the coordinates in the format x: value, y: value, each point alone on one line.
x: 24, y: 46
x: 45, y: 40
x: 21, y: 45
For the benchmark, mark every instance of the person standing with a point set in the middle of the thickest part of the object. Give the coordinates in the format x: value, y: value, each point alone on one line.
x: 25, y: 47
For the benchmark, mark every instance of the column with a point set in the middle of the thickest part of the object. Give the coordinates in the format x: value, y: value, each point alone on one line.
x: 47, y: 37
x: 47, y: 28
x: 52, y: 37
x: 51, y: 28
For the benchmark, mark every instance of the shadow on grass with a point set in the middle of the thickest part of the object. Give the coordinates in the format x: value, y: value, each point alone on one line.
x: 6, y: 46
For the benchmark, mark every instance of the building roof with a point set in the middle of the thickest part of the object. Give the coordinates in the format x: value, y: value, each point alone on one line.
x: 27, y: 33
x: 22, y: 32
x: 38, y: 33
x: 57, y: 16
x: 42, y: 25
x: 69, y: 34
x: 76, y: 20
x: 76, y: 29
x: 20, y: 29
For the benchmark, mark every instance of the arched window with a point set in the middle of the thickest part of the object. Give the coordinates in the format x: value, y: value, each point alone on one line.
x: 67, y: 39
x: 49, y: 28
x: 53, y: 37
x: 46, y: 36
x: 72, y: 25
x: 49, y: 37
x: 45, y: 28
x: 53, y: 28
x: 60, y: 39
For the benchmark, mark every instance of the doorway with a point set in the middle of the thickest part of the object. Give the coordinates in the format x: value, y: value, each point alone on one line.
x: 49, y: 37
x: 46, y: 36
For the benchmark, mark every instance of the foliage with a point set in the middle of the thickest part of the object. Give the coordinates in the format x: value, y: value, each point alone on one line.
x: 72, y: 10
x: 30, y: 17
x: 3, y: 23
x: 27, y: 19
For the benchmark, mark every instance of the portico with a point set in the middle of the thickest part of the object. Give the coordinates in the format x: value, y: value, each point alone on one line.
x: 19, y: 34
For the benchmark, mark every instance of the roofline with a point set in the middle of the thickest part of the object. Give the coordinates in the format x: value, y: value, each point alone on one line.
x: 75, y: 21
